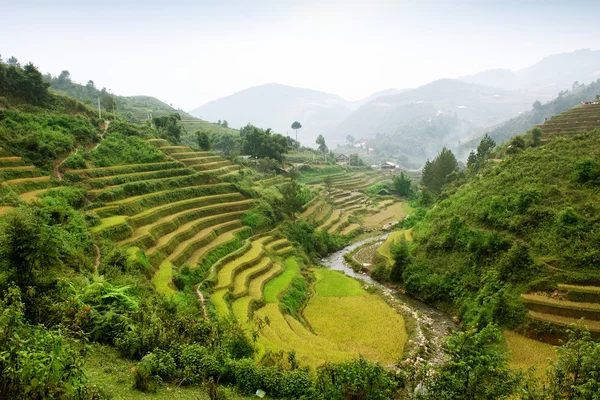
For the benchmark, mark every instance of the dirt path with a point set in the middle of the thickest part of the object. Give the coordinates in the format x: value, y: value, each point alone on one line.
x: 106, y: 124
x: 201, y: 298
x: 97, y: 261
x: 59, y: 162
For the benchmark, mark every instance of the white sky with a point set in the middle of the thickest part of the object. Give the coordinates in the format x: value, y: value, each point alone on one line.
x: 188, y: 53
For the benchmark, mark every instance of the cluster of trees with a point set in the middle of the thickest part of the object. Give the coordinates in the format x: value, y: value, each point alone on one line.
x: 168, y: 127
x: 223, y: 123
x: 22, y: 84
x: 261, y: 143
x: 439, y: 171
x: 475, y: 160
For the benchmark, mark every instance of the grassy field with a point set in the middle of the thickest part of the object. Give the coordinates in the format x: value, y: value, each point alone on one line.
x: 334, y: 284
x: 358, y: 322
x: 526, y: 353
x: 394, y: 212
x: 278, y: 284
x: 162, y: 278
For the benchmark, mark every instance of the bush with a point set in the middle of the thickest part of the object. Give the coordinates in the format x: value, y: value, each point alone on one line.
x: 198, y: 364
x: 118, y: 149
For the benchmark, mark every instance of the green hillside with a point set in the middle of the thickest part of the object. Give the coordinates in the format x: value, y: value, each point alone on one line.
x: 526, y: 224
x: 132, y: 266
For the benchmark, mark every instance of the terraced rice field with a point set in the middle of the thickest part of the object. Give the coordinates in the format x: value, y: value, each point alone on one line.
x: 576, y: 305
x: 526, y: 353
x: 24, y: 180
x: 253, y: 276
x: 392, y: 213
x: 358, y: 322
x: 579, y: 119
x: 176, y: 211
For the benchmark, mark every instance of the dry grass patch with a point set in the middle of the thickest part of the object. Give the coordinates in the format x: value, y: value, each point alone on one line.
x: 526, y: 353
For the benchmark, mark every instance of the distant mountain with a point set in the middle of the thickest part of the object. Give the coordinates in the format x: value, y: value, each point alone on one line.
x: 381, y: 93
x: 277, y: 106
x: 479, y: 105
x: 545, y: 79
x: 527, y: 120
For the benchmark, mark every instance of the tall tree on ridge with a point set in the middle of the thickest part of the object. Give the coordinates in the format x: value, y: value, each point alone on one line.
x: 296, y: 125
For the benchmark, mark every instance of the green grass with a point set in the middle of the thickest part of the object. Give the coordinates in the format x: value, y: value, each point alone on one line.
x: 336, y: 284
x: 277, y: 285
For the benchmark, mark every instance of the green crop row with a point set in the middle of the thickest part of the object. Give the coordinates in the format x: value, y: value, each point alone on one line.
x: 30, y: 185
x: 11, y: 162
x: 154, y: 214
x: 8, y: 173
x: 159, y: 252
x: 144, y: 202
x: 99, y: 183
x: 120, y: 169
x: 153, y: 185
x: 182, y: 257
x: 148, y: 239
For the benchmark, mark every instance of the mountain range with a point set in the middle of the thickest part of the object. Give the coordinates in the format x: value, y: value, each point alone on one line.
x: 478, y: 102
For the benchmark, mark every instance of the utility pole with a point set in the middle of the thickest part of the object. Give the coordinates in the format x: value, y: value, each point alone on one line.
x: 99, y: 110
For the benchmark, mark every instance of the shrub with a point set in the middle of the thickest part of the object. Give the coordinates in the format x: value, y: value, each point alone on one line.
x: 198, y: 364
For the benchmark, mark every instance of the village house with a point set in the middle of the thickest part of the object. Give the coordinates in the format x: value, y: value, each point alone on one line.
x: 341, y: 159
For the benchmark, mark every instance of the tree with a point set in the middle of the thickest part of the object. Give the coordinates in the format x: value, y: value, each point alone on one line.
x: 293, y: 198
x: 13, y: 62
x: 219, y: 122
x: 350, y: 139
x: 28, y: 245
x: 204, y: 141
x: 536, y: 133
x: 516, y: 144
x: 485, y: 147
x: 64, y: 77
x: 354, y: 160
x: 537, y: 105
x: 296, y: 125
x: 575, y: 85
x: 403, y: 185
x: 90, y: 86
x: 401, y: 256
x: 321, y: 142
x: 476, y: 367
x: 262, y: 144
x: 472, y: 160
x: 168, y: 127
x: 436, y: 173
x: 574, y: 375
x: 225, y: 124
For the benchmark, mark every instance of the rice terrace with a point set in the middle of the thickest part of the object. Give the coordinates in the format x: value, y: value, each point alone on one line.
x: 402, y: 226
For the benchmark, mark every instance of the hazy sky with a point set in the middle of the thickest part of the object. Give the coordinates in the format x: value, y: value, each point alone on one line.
x: 188, y: 53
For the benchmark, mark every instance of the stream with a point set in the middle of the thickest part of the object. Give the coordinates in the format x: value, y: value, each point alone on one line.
x: 433, y: 324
